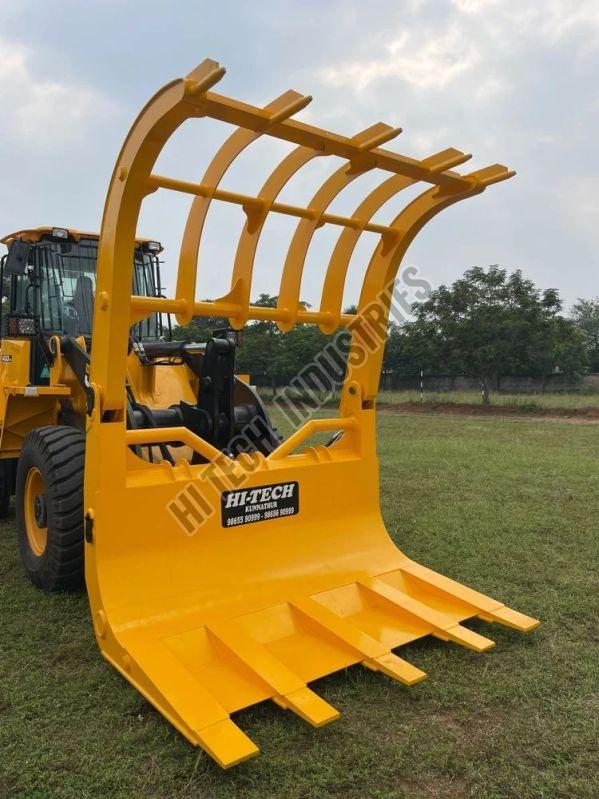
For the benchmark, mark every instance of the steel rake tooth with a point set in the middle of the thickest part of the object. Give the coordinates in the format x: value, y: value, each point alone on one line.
x: 227, y: 744
x: 480, y: 605
x: 397, y: 668
x: 187, y: 702
x: 289, y: 690
x: 439, y: 624
x: 375, y: 655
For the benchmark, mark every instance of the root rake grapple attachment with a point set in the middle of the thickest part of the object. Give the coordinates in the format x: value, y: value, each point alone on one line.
x: 203, y: 605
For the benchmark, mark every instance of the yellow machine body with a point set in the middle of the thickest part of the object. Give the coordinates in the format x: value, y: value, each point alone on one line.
x: 203, y: 615
x: 25, y: 407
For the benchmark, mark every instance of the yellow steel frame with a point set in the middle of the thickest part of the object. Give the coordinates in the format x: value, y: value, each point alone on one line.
x: 206, y: 624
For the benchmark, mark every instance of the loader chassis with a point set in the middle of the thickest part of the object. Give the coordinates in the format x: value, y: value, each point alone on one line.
x: 49, y: 280
x: 208, y: 618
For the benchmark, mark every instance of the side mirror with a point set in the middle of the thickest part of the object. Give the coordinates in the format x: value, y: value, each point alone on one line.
x: 235, y: 337
x: 16, y: 260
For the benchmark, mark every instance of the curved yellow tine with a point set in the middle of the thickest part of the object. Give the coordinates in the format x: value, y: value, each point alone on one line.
x: 162, y: 115
x: 376, y: 294
x: 289, y: 291
x: 334, y: 282
x: 241, y: 281
x: 203, y: 77
x: 288, y: 103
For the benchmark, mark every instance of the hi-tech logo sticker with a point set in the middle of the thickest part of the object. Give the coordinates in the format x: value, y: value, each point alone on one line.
x: 259, y: 504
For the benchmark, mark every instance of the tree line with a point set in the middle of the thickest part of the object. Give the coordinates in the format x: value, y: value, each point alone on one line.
x: 487, y: 325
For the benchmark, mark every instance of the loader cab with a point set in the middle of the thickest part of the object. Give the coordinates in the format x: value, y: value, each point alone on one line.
x: 48, y: 288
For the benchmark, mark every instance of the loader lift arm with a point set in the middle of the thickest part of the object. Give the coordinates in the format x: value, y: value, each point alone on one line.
x: 78, y: 359
x: 215, y: 417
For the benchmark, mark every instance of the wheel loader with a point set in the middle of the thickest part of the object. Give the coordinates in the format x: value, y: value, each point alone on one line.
x: 224, y: 566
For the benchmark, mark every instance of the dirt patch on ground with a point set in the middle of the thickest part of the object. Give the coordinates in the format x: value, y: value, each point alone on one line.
x: 571, y: 415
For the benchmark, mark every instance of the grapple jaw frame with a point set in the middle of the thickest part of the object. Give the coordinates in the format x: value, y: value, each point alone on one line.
x: 206, y: 619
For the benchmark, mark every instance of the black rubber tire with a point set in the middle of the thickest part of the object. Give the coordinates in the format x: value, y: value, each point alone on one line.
x: 7, y: 481
x: 59, y: 454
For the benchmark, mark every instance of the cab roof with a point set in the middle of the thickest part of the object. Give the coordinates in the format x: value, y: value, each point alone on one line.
x: 34, y: 235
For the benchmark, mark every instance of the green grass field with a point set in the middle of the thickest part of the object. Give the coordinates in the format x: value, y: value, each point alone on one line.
x: 524, y: 402
x: 509, y: 507
x: 561, y: 402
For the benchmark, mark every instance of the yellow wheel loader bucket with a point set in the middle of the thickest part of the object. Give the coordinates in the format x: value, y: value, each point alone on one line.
x: 221, y: 582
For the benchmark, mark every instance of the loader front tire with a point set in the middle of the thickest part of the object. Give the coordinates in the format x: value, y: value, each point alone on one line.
x: 49, y: 507
x: 7, y: 483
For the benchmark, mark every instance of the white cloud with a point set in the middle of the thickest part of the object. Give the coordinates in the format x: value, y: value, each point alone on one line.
x: 492, y: 88
x: 473, y: 6
x: 476, y: 31
x: 557, y: 18
x: 423, y: 61
x: 426, y: 141
x: 549, y: 21
x: 579, y: 197
x: 41, y: 110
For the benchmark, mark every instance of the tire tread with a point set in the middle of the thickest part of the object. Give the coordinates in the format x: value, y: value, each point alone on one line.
x: 60, y: 450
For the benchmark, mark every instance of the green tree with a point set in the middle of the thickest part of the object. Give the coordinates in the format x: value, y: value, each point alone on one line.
x: 261, y: 342
x: 278, y: 356
x: 489, y: 324
x: 265, y: 351
x: 200, y: 328
x: 392, y: 357
x: 585, y: 314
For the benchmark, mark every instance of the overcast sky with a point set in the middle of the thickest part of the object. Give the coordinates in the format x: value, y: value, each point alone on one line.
x: 510, y: 81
